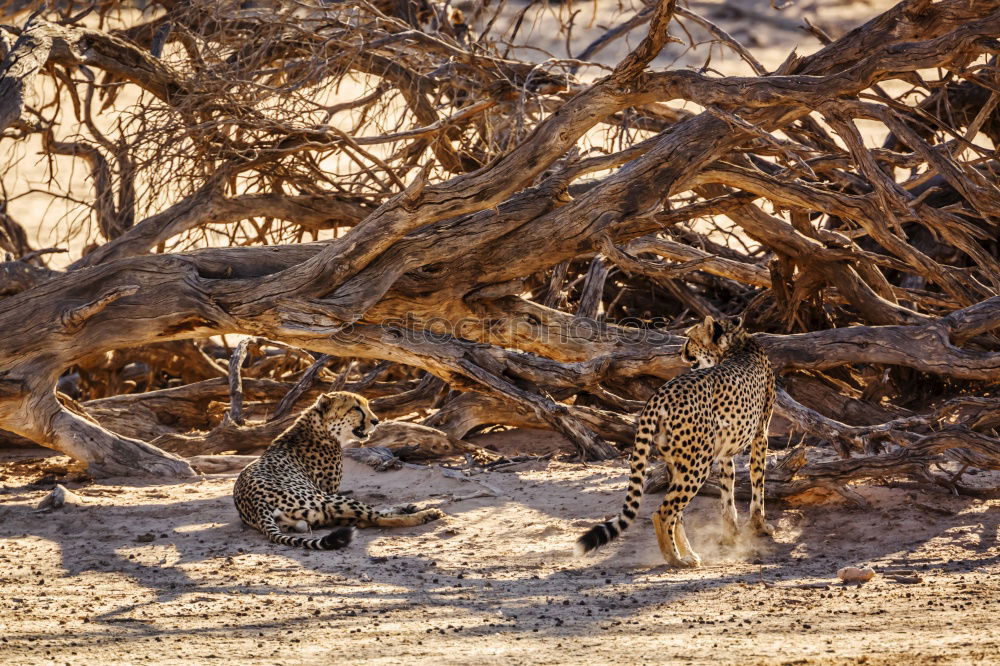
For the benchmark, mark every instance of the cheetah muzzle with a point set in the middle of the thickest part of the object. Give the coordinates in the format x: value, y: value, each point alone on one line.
x: 706, y: 415
x: 294, y: 483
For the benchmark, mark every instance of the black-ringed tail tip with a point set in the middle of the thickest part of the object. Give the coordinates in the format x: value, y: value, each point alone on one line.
x: 338, y: 538
x: 335, y: 540
x: 596, y: 536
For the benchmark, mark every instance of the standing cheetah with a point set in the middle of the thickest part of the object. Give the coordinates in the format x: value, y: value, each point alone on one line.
x: 708, y: 414
x: 294, y: 483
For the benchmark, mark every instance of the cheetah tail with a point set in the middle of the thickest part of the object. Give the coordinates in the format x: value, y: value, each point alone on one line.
x: 608, y: 531
x: 335, y: 540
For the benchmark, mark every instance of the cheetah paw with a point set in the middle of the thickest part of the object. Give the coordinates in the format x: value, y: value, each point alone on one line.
x: 429, y: 515
x: 689, y: 561
x: 404, y: 510
x: 763, y: 528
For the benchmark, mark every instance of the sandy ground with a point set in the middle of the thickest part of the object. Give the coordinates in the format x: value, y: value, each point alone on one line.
x: 167, y: 574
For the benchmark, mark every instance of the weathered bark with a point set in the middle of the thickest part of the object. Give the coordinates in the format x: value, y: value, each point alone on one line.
x: 20, y: 65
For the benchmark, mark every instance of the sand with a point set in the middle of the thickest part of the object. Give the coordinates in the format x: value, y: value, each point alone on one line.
x: 167, y: 574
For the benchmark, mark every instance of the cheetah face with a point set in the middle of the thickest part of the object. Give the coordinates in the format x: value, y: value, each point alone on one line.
x: 709, y: 341
x: 347, y: 416
x: 696, y: 356
x: 362, y: 421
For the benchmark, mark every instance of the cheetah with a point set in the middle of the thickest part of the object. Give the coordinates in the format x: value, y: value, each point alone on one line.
x: 295, y: 482
x: 708, y: 414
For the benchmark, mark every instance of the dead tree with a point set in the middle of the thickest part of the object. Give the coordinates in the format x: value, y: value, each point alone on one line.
x: 478, y: 239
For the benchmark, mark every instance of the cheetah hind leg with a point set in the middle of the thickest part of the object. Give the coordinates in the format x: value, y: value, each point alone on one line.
x: 285, y: 520
x: 663, y: 519
x: 689, y: 558
x: 666, y: 544
x: 664, y: 522
x: 670, y: 531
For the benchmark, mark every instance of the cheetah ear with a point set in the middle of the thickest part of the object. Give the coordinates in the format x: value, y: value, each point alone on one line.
x: 717, y: 331
x: 701, y: 332
x: 737, y: 322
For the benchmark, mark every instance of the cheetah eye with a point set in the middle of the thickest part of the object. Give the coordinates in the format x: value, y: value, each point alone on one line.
x: 687, y: 356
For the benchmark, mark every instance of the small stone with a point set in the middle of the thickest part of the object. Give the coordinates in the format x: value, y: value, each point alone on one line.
x: 856, y: 574
x: 58, y: 498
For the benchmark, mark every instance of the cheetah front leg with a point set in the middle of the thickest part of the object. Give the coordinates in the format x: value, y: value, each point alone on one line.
x: 758, y: 457
x: 727, y: 481
x: 338, y: 509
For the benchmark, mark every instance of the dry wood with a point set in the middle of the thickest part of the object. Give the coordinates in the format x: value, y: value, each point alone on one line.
x: 482, y: 266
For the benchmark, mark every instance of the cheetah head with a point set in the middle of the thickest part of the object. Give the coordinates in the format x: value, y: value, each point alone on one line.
x: 709, y: 341
x: 346, y: 416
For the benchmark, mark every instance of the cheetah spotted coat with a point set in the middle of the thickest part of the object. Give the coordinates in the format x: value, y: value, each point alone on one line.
x: 295, y: 482
x: 709, y: 414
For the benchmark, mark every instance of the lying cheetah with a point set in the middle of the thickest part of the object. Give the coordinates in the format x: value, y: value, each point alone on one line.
x: 294, y: 483
x: 708, y: 414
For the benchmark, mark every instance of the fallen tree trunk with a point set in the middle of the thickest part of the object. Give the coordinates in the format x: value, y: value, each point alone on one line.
x: 547, y: 295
